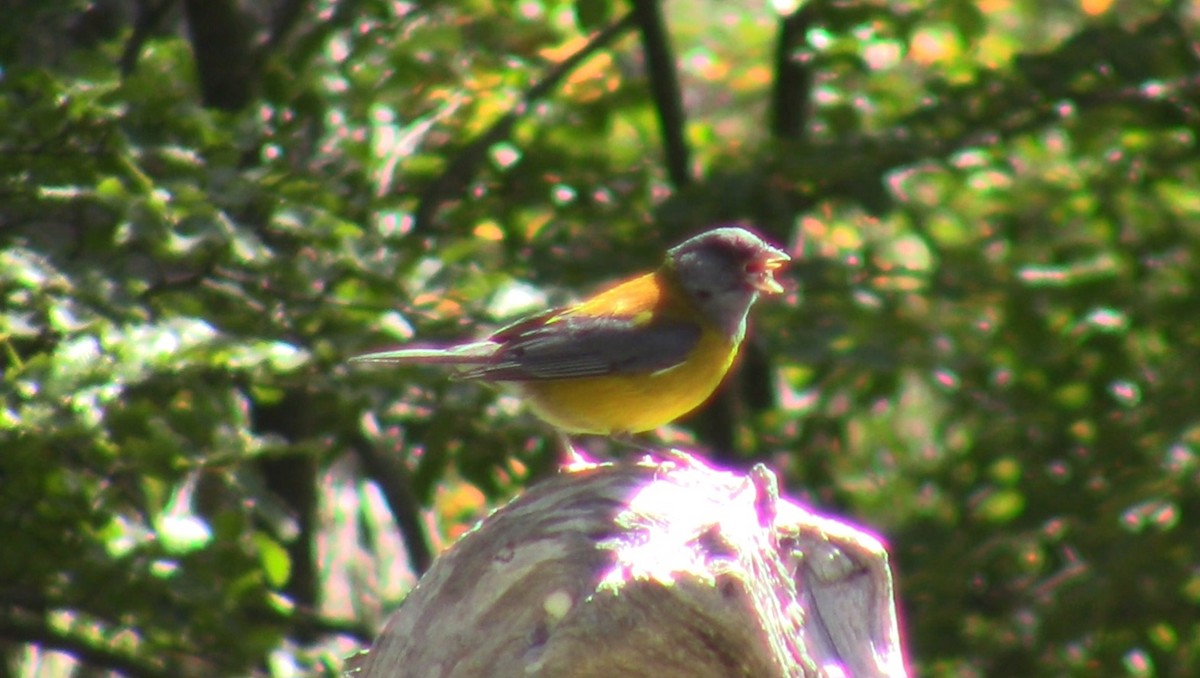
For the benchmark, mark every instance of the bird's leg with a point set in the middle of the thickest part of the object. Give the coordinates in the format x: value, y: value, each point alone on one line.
x: 597, y: 449
x: 573, y: 455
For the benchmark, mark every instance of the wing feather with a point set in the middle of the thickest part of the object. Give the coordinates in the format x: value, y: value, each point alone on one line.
x: 570, y: 346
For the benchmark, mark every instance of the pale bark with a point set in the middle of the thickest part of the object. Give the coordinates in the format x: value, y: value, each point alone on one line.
x: 654, y: 569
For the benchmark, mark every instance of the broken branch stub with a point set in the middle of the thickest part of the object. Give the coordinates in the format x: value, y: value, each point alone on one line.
x: 655, y: 568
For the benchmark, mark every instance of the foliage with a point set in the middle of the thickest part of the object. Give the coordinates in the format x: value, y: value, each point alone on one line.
x: 990, y: 356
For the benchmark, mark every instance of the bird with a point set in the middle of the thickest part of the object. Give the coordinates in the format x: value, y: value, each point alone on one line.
x: 634, y: 356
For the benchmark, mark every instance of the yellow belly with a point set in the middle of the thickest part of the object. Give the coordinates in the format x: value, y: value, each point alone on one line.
x: 633, y: 403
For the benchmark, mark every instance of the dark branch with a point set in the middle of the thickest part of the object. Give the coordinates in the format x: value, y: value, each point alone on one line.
x: 306, y: 622
x: 222, y: 36
x: 147, y: 19
x: 464, y: 165
x: 793, y: 80
x: 664, y: 88
x: 393, y: 480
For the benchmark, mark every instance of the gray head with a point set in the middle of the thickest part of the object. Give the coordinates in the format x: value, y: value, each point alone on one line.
x: 723, y: 271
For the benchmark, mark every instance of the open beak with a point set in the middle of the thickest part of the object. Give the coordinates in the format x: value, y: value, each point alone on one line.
x: 762, y: 270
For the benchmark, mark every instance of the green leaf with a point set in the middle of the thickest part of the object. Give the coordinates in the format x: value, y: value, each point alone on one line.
x: 274, y: 560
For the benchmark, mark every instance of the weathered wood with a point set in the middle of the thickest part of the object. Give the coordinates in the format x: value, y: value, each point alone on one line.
x: 655, y: 569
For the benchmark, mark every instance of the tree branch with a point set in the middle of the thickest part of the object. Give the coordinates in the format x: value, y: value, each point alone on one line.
x: 671, y: 567
x: 395, y: 485
x: 147, y: 19
x: 665, y: 90
x: 222, y: 35
x: 793, y: 79
x: 308, y: 622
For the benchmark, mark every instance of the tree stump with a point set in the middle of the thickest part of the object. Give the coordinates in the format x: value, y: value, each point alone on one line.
x: 653, y: 568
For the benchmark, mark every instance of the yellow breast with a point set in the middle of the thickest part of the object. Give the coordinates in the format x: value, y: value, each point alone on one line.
x: 631, y: 403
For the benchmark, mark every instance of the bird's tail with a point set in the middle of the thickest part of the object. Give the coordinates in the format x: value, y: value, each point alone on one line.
x: 475, y: 353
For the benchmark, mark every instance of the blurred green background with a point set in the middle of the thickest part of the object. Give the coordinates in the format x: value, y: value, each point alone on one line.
x: 990, y: 355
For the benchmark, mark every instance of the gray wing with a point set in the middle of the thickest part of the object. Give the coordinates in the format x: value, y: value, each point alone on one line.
x: 571, y: 346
